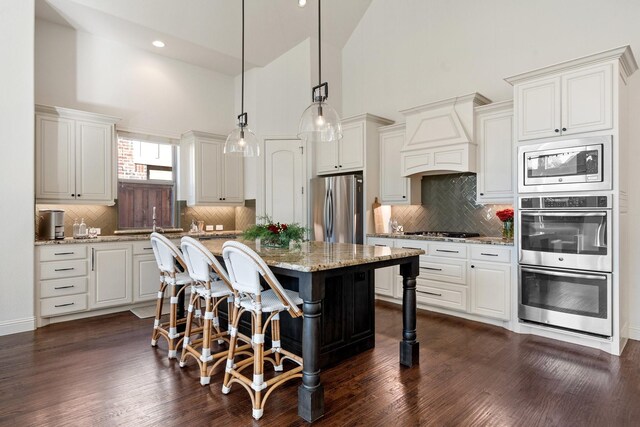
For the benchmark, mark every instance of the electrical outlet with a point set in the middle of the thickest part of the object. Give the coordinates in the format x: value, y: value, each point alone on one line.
x: 209, y: 228
x: 219, y: 227
x: 98, y: 231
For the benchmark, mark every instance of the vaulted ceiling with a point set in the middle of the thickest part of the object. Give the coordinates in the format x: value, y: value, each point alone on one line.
x: 208, y: 32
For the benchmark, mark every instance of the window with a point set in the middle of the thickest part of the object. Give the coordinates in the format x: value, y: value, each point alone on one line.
x: 146, y: 179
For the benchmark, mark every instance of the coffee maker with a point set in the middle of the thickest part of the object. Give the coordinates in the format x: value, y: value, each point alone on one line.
x: 51, y: 224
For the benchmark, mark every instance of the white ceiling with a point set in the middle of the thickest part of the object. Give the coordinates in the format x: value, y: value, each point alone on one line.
x: 208, y: 32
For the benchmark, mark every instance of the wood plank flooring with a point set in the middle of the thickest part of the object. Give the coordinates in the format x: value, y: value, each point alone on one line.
x: 102, y: 372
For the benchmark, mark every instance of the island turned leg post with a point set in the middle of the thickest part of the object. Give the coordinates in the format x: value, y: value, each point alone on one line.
x: 311, y: 392
x: 409, y: 346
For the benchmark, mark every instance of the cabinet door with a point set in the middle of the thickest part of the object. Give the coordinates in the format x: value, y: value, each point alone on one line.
x: 146, y: 278
x: 233, y: 178
x: 209, y: 171
x: 495, y: 134
x: 384, y: 277
x: 394, y: 188
x: 94, y: 153
x: 110, y: 282
x: 587, y: 101
x: 351, y: 148
x: 326, y: 157
x: 490, y: 291
x: 538, y: 108
x: 55, y: 158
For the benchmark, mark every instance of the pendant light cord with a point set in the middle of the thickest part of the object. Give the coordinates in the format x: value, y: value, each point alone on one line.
x: 319, y: 45
x: 242, y: 84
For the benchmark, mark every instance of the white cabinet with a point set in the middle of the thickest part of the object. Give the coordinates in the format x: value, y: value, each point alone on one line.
x: 208, y: 176
x: 489, y: 284
x: 110, y: 277
x: 565, y: 103
x: 146, y: 278
x: 395, y: 189
x: 384, y: 277
x: 494, y: 136
x: 75, y: 154
x: 349, y: 154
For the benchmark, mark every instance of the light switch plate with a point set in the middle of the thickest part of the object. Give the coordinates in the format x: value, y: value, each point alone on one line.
x: 219, y: 227
x: 209, y: 228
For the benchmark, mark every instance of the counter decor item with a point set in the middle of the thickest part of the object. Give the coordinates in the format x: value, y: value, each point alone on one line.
x: 274, y: 234
x: 506, y: 216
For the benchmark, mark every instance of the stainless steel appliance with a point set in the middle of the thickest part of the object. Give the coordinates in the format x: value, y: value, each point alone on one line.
x: 566, y: 232
x: 570, y: 299
x: 51, y: 224
x: 582, y: 164
x: 337, y: 211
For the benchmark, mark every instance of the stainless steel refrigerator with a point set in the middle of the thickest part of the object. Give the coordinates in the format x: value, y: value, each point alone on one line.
x: 336, y: 206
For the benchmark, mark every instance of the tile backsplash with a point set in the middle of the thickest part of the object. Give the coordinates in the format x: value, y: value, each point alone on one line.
x: 448, y: 204
x: 103, y: 217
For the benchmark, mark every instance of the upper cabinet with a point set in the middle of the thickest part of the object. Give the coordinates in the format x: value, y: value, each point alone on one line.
x: 570, y: 98
x: 395, y: 189
x: 494, y: 136
x: 349, y: 153
x: 75, y: 154
x: 208, y: 176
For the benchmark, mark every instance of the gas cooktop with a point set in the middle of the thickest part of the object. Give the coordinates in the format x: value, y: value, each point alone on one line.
x: 452, y: 234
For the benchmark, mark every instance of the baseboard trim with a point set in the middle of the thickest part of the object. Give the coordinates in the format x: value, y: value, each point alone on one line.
x: 15, y: 326
x: 634, y: 333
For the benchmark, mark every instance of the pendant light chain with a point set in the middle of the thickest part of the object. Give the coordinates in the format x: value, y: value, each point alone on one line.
x: 319, y: 44
x: 242, y: 84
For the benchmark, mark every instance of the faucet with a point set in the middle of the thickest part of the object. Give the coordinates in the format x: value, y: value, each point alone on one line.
x: 154, y: 228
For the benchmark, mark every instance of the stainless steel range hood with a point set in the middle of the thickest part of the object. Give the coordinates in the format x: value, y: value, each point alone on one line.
x: 440, y: 136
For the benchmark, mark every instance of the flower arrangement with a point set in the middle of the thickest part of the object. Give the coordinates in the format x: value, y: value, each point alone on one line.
x: 274, y: 234
x: 506, y: 216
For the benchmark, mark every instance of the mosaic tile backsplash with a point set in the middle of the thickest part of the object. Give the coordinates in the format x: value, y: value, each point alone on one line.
x: 448, y: 204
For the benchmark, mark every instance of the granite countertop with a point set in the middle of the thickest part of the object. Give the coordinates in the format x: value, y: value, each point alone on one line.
x: 476, y: 240
x: 318, y: 256
x: 138, y: 237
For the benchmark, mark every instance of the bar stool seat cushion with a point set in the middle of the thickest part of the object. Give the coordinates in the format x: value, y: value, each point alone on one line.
x: 218, y: 289
x: 181, y: 279
x: 271, y: 302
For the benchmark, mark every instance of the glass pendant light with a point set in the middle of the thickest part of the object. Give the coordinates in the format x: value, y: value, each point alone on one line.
x: 242, y: 139
x: 320, y: 122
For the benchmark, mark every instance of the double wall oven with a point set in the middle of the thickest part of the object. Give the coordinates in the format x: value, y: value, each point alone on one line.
x: 565, y: 245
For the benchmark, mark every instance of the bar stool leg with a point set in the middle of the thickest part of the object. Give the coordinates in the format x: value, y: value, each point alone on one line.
x: 156, y: 322
x: 275, y: 342
x: 193, y: 300
x: 173, y: 323
x: 205, y: 356
x: 233, y: 336
x: 258, y: 363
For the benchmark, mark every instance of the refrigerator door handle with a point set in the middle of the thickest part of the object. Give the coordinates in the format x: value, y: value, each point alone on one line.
x: 331, y: 213
x: 326, y: 216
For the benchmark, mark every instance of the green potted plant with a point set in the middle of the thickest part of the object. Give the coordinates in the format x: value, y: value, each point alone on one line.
x: 274, y: 234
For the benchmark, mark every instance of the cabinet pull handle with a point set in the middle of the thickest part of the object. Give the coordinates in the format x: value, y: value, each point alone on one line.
x: 64, y: 287
x: 64, y: 305
x: 485, y: 254
x: 410, y: 247
x: 447, y: 250
x: 64, y: 253
x: 384, y: 246
x: 431, y: 268
x: 93, y: 259
x: 430, y: 293
x: 147, y: 249
x: 64, y: 269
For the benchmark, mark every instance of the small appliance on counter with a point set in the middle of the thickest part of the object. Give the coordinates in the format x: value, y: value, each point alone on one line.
x: 51, y: 224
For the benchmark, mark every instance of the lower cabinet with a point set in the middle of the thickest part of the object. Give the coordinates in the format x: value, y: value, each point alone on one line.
x: 146, y: 278
x: 110, y: 278
x: 490, y: 293
x: 384, y: 277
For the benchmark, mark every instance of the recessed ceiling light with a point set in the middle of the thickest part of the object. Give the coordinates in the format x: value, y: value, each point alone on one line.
x: 158, y: 43
x: 302, y: 3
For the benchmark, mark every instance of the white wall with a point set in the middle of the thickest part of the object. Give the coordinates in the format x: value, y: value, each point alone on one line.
x: 151, y: 93
x: 411, y: 52
x: 17, y: 171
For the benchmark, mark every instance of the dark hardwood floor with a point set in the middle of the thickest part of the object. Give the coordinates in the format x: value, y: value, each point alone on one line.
x: 102, y: 372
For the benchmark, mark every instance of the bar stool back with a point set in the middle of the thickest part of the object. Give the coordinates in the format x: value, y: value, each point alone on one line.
x: 245, y: 268
x: 167, y: 254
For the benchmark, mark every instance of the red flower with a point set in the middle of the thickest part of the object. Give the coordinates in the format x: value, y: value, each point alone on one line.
x: 284, y: 227
x: 505, y: 215
x: 273, y: 228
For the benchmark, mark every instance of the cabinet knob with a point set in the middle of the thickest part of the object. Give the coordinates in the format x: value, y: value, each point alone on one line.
x: 473, y: 266
x: 557, y: 130
x: 404, y: 197
x: 482, y: 194
x: 336, y: 167
x: 340, y: 165
x: 73, y: 195
x: 77, y: 195
x: 564, y: 129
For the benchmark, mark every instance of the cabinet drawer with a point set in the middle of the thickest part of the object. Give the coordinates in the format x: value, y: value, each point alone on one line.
x: 448, y: 250
x: 63, y: 305
x: 376, y: 241
x: 59, y: 287
x: 441, y: 294
x: 61, y: 269
x: 144, y: 247
x: 412, y: 244
x: 447, y: 270
x: 490, y: 253
x: 62, y: 252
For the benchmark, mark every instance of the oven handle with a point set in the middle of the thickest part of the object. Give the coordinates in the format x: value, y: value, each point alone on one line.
x: 545, y: 213
x: 557, y: 273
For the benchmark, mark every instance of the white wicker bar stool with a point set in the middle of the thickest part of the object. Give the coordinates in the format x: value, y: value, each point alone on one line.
x: 167, y: 254
x: 245, y: 269
x: 211, y: 283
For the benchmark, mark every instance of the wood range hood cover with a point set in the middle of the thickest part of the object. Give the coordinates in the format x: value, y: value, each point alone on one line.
x: 439, y: 136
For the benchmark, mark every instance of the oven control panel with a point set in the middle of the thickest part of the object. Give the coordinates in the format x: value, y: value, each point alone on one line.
x: 566, y: 202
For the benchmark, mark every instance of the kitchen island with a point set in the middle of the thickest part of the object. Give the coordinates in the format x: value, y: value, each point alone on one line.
x: 335, y: 281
